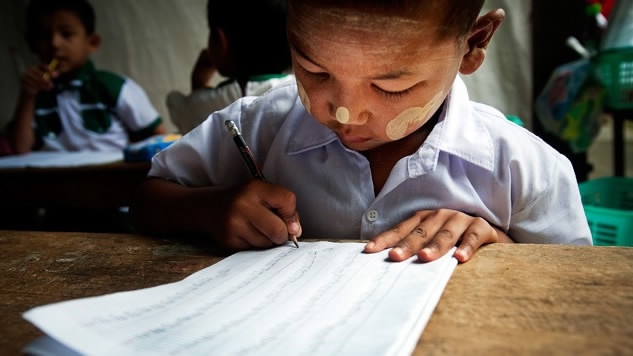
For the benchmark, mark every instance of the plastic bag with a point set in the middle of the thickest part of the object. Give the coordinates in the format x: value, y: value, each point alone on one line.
x: 571, y: 103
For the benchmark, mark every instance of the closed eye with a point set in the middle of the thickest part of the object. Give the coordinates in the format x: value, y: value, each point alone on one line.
x: 321, y: 76
x: 392, y: 94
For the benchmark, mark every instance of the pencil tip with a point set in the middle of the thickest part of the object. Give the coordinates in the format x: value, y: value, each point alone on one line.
x: 294, y: 240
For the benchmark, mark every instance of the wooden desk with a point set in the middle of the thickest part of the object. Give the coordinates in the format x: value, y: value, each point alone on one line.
x: 108, y: 185
x: 510, y: 299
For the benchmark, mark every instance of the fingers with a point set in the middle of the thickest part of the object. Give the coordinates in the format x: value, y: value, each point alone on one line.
x: 293, y: 225
x: 284, y: 203
x: 270, y: 226
x: 262, y: 215
x: 203, y: 70
x: 38, y: 78
x: 478, y: 234
x: 396, y: 235
x: 431, y: 234
x: 456, y: 227
x: 257, y: 227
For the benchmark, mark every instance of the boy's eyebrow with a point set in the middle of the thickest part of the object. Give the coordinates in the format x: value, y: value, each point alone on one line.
x: 305, y: 56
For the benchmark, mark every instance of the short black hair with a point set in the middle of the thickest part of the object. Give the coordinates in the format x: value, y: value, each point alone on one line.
x: 36, y: 9
x: 456, y: 16
x: 256, y: 30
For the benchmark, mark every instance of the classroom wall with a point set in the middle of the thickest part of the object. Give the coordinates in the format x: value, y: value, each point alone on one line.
x: 156, y: 42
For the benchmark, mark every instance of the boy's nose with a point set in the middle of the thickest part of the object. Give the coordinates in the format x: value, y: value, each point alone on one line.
x: 359, y: 118
x: 56, y: 40
x: 350, y: 110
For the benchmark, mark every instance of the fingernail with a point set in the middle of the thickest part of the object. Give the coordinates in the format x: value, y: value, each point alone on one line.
x: 427, y: 251
x: 370, y: 245
x: 294, y: 228
x: 398, y: 250
x: 464, y: 253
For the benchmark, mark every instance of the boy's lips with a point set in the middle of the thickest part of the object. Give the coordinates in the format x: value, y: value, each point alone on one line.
x: 351, y: 138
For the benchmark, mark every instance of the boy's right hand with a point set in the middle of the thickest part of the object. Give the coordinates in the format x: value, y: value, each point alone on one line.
x: 257, y: 215
x: 38, y: 78
x: 203, y: 70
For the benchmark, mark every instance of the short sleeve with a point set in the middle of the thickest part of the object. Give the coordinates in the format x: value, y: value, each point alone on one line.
x: 189, y: 111
x: 134, y: 109
x: 557, y: 214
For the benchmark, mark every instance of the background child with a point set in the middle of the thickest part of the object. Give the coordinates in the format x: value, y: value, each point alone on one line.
x: 376, y: 140
x: 248, y: 45
x: 65, y: 104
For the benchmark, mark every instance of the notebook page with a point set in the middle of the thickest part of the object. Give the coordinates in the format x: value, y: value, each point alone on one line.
x: 322, y: 298
x: 60, y: 159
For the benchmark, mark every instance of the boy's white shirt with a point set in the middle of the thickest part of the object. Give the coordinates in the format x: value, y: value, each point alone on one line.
x: 133, y: 109
x: 474, y: 160
x: 188, y: 111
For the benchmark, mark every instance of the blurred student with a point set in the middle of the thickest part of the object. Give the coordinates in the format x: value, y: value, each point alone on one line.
x: 248, y: 46
x: 65, y: 103
x: 377, y: 140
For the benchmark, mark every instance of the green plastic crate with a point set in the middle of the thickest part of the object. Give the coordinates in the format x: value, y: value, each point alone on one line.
x: 608, y: 204
x: 614, y: 69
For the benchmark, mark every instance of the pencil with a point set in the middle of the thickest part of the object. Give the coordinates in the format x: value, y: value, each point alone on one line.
x: 51, y: 66
x: 247, y: 157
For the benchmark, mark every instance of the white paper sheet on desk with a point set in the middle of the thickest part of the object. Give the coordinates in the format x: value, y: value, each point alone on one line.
x: 60, y: 159
x: 323, y: 298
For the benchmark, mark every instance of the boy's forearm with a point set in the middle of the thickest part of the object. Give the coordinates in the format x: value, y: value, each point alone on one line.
x: 21, y: 132
x: 203, y: 70
x: 200, y: 79
x: 164, y: 207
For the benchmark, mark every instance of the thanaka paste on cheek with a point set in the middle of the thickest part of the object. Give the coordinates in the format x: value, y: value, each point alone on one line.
x: 303, y: 96
x: 342, y: 115
x: 415, y: 116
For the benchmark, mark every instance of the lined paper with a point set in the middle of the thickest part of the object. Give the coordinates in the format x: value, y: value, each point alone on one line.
x: 323, y: 298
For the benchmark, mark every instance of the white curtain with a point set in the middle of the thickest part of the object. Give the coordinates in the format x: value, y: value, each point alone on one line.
x: 156, y: 42
x: 505, y: 79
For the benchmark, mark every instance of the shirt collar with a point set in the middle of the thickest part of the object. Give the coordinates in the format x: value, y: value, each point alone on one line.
x: 84, y: 74
x: 265, y: 77
x: 458, y: 132
x: 309, y: 134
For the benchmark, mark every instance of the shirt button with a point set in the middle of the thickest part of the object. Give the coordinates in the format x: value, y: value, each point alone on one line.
x: 372, y: 215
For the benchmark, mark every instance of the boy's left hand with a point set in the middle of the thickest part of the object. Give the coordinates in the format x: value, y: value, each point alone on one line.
x: 429, y: 234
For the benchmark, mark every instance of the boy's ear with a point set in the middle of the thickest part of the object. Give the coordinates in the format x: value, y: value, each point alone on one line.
x: 221, y: 51
x: 94, y: 41
x: 478, y: 40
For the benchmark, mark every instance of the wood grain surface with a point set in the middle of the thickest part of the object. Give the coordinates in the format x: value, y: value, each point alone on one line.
x: 510, y: 299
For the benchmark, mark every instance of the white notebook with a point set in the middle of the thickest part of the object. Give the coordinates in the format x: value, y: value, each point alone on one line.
x: 322, y: 298
x: 43, y: 159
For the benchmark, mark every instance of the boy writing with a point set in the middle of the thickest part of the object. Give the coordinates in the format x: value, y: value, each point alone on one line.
x: 65, y: 104
x: 377, y: 139
x: 248, y: 45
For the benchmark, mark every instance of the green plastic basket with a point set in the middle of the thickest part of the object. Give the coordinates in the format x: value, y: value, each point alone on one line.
x: 614, y: 69
x: 608, y: 204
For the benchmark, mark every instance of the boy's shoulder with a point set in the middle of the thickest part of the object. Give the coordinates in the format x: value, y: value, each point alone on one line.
x: 282, y: 95
x: 110, y: 81
x: 109, y: 85
x: 484, y: 136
